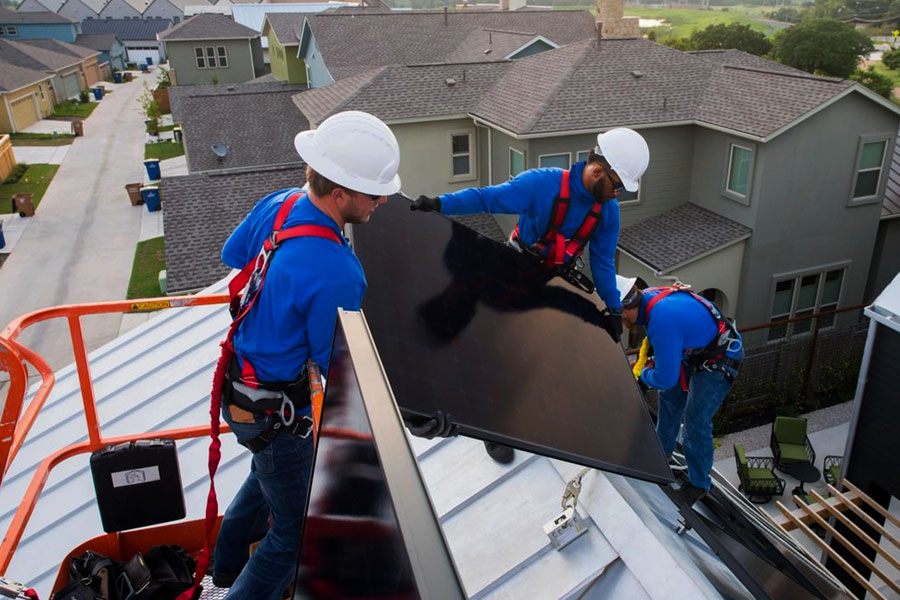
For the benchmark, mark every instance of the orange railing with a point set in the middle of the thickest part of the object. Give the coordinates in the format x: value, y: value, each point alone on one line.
x: 14, y: 426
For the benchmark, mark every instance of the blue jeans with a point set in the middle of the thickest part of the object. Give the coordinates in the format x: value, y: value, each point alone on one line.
x: 707, y: 389
x: 276, y: 486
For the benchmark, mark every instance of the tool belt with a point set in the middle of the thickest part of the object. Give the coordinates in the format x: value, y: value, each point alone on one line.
x: 568, y: 270
x: 279, y: 401
x: 724, y: 365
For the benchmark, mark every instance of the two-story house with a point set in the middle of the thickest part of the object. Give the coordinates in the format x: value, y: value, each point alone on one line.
x: 138, y: 36
x: 282, y: 34
x: 37, y: 25
x: 78, y: 10
x: 111, y: 48
x: 741, y: 198
x: 212, y: 49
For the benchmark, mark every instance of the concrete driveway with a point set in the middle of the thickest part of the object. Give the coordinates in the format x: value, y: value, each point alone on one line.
x: 49, y: 155
x: 80, y: 245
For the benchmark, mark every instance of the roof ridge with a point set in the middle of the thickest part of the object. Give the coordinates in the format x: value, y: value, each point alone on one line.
x: 438, y: 13
x: 799, y: 75
x: 457, y: 64
x: 554, y: 90
x: 375, y: 75
x: 509, y: 31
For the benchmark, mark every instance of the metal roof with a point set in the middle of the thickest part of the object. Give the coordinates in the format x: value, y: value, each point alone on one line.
x: 127, y: 29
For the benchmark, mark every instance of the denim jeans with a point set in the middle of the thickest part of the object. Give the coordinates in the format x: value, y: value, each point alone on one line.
x: 276, y: 486
x: 697, y: 406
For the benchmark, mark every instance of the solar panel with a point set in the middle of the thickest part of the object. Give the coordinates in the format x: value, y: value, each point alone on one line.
x: 469, y: 326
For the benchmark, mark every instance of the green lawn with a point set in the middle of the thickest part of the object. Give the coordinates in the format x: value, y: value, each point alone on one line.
x: 149, y: 260
x: 681, y: 22
x: 73, y: 108
x: 35, y: 180
x: 163, y: 150
x: 41, y: 139
x: 167, y: 127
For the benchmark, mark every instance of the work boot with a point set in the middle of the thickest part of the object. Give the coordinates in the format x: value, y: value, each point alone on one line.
x: 502, y: 454
x: 224, y: 580
x: 691, y: 493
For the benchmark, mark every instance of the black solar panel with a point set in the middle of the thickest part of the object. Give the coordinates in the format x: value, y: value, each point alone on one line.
x: 466, y: 325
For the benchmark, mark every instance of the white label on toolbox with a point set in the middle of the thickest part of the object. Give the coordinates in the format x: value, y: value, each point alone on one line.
x: 135, y: 476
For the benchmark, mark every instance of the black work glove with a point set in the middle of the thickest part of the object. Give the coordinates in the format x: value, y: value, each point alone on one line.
x: 426, y: 204
x: 440, y: 425
x: 643, y: 386
x: 615, y: 323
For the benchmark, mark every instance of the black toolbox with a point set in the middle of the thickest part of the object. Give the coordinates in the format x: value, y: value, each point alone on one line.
x: 138, y: 484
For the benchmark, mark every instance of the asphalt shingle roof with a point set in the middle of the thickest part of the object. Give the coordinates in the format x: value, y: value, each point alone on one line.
x: 127, y: 29
x: 586, y: 85
x: 13, y: 77
x: 201, y: 212
x: 287, y: 26
x: 739, y: 58
x: 679, y: 235
x: 96, y: 41
x: 256, y: 121
x: 12, y: 17
x: 41, y: 54
x: 208, y: 26
x: 890, y: 206
x: 352, y: 43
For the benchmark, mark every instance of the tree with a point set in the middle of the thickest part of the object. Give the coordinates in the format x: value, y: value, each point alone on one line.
x: 891, y: 59
x: 732, y: 36
x: 825, y: 45
x: 679, y: 43
x: 878, y: 83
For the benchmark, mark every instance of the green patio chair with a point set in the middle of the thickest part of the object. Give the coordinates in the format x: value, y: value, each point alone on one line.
x: 832, y: 469
x: 789, y: 441
x: 758, y: 480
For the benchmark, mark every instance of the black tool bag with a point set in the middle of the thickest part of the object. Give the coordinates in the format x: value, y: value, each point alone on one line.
x: 161, y: 574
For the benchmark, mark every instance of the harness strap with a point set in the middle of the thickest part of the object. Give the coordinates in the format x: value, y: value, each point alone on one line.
x: 713, y: 350
x: 248, y: 373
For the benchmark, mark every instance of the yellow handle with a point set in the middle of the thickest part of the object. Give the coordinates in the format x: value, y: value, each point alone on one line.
x: 642, y: 359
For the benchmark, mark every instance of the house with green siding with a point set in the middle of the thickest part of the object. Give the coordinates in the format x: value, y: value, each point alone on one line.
x: 282, y: 30
x: 212, y: 49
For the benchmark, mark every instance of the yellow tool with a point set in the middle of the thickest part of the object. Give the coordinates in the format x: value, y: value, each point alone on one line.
x: 316, y: 395
x: 642, y: 359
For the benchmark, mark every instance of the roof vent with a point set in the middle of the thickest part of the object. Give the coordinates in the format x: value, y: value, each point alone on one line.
x: 637, y: 74
x: 450, y: 81
x: 230, y: 88
x: 488, y: 51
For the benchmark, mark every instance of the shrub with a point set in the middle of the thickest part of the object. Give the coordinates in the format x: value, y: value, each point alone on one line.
x: 16, y: 174
x: 891, y: 59
x: 878, y: 83
x: 84, y: 96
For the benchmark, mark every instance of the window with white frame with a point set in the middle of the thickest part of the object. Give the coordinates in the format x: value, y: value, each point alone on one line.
x: 560, y: 161
x: 868, y: 169
x: 461, y: 154
x: 802, y: 296
x: 740, y: 163
x: 211, y: 57
x: 516, y: 162
x: 582, y: 155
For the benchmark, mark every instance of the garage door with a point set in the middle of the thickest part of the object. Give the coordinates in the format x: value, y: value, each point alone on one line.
x: 139, y: 55
x: 70, y: 84
x: 24, y: 112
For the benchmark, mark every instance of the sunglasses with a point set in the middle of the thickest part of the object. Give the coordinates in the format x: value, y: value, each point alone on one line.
x: 611, y: 174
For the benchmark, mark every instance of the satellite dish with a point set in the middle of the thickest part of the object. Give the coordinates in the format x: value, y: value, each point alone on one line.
x: 220, y: 150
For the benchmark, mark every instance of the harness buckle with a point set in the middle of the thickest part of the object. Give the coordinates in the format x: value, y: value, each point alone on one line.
x: 286, y: 404
x: 273, y: 240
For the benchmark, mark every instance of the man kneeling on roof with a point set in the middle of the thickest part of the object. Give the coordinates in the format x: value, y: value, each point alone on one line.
x: 560, y: 213
x: 697, y: 354
x: 298, y: 270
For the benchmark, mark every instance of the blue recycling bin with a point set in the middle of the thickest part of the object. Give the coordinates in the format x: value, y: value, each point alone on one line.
x: 2, y: 239
x: 151, y: 198
x: 149, y: 60
x: 152, y: 166
x: 117, y: 77
x: 144, y: 67
x: 98, y: 93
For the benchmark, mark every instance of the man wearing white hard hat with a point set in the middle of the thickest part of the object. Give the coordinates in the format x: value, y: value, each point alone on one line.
x: 298, y: 270
x: 560, y: 213
x: 697, y: 353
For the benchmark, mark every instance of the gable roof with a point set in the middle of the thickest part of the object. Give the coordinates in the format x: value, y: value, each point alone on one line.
x: 139, y: 5
x: 38, y: 18
x: 39, y: 6
x: 42, y: 54
x: 13, y: 77
x: 262, y: 123
x: 890, y: 206
x: 286, y: 26
x: 576, y: 96
x: 208, y: 26
x: 71, y: 5
x: 679, y: 236
x: 201, y: 212
x: 97, y: 41
x: 352, y: 43
x: 127, y: 29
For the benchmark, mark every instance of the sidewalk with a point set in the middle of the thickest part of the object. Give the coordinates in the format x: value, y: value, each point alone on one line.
x: 79, y: 247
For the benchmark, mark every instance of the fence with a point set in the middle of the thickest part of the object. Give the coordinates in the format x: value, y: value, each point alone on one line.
x: 7, y: 158
x: 794, y: 366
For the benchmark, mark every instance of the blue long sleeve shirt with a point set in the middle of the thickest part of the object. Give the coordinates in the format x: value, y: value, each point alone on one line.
x: 530, y: 195
x: 678, y: 323
x: 308, y: 279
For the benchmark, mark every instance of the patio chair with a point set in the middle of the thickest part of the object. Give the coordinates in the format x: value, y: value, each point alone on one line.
x: 832, y: 469
x: 789, y: 441
x: 758, y: 480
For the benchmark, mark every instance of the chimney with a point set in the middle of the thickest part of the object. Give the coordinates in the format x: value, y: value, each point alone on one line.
x: 611, y: 14
x: 598, y: 26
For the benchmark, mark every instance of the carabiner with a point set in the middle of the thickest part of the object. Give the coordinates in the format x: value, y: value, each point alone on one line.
x: 286, y: 403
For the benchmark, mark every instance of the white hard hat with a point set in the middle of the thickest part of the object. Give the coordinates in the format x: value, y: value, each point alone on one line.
x: 354, y: 150
x: 624, y: 285
x: 627, y: 153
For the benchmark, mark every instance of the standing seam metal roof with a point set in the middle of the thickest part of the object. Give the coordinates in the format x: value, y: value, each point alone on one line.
x: 127, y: 29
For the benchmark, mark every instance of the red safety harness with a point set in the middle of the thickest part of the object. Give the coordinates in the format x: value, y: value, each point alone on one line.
x: 712, y: 356
x: 558, y: 249
x: 244, y: 289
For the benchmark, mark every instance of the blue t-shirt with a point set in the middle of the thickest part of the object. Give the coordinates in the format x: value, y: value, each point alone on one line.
x: 308, y: 279
x: 678, y: 323
x: 530, y: 195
